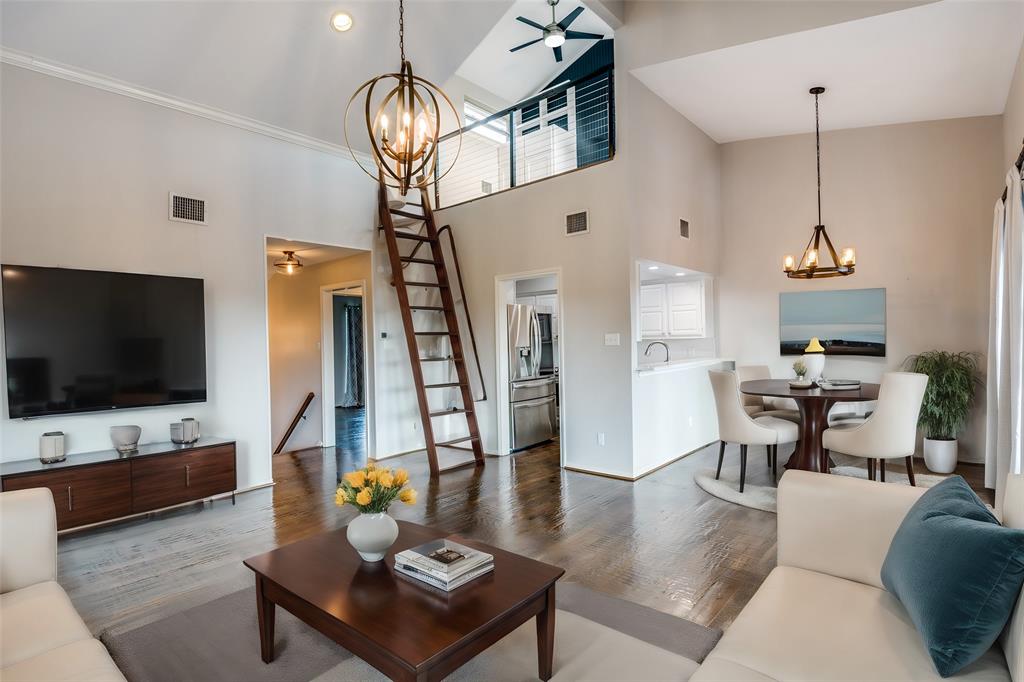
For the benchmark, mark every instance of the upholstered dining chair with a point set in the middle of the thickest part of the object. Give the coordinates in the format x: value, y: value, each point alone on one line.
x: 755, y: 405
x: 736, y: 426
x: 891, y: 430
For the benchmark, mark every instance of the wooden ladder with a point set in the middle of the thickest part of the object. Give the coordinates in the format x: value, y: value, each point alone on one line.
x: 447, y: 308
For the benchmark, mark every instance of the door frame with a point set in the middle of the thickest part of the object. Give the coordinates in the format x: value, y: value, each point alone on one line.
x: 327, y: 294
x: 505, y: 293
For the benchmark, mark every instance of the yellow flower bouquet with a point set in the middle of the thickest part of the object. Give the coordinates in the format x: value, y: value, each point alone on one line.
x: 371, y: 489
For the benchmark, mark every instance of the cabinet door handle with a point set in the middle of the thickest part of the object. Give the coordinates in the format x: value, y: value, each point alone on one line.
x: 188, y: 472
x: 71, y: 504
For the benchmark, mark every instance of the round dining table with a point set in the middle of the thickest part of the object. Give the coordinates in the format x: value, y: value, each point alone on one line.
x: 814, y: 405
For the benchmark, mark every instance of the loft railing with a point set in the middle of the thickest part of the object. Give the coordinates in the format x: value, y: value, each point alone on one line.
x: 562, y: 129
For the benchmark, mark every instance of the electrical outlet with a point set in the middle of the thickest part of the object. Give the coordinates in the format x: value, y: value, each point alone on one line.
x: 612, y: 340
x: 689, y: 420
x: 600, y: 439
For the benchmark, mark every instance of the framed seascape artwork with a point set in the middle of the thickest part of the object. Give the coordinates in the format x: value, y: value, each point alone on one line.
x: 847, y: 322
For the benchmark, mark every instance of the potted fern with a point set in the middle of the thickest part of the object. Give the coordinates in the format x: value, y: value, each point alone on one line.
x: 952, y: 381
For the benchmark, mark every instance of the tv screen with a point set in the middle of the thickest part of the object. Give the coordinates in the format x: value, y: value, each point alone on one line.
x: 82, y: 341
x: 849, y: 322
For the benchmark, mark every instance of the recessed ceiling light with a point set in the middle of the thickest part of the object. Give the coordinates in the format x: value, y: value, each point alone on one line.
x: 680, y: 274
x: 652, y: 267
x: 341, y: 21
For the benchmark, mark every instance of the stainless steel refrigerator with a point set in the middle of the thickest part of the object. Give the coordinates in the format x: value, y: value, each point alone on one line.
x: 532, y: 404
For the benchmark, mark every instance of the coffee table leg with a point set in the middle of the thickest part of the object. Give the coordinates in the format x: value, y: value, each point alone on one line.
x: 546, y: 635
x: 265, y: 610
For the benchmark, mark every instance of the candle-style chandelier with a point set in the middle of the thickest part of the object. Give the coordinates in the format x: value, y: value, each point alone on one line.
x: 809, y: 265
x: 404, y: 148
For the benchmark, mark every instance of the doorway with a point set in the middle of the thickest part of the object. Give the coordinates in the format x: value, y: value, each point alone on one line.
x: 345, y: 363
x: 529, y: 334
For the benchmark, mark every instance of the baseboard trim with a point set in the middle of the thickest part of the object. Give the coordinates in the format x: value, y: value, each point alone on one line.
x: 633, y: 479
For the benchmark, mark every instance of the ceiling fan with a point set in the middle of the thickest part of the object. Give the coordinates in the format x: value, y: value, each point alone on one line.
x: 557, y: 32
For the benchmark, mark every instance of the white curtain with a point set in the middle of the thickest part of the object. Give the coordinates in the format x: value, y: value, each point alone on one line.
x: 1005, y: 400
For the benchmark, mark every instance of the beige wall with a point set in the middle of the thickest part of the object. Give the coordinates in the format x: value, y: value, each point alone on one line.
x: 294, y: 325
x: 1013, y: 116
x: 916, y: 201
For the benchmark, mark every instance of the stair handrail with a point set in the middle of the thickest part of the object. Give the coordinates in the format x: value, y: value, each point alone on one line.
x: 301, y: 414
x: 465, y: 307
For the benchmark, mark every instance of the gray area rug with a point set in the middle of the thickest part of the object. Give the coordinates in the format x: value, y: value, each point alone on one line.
x: 597, y: 638
x: 763, y: 497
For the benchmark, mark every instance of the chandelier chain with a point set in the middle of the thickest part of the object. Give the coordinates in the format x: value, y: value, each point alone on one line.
x: 401, y: 29
x: 817, y: 151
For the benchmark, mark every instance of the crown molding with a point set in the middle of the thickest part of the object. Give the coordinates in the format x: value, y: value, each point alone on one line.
x: 99, y: 81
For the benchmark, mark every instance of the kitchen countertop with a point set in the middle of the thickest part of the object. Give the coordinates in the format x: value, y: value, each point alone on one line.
x: 679, y: 364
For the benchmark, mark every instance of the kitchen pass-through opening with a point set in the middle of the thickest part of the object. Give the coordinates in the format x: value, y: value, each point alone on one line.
x: 529, y: 329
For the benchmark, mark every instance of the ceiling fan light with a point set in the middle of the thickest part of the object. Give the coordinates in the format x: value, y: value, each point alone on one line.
x: 554, y: 38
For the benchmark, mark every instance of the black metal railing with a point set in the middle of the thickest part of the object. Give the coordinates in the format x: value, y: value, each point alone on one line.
x: 564, y: 128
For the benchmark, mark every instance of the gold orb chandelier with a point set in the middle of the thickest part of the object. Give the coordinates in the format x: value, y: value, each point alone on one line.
x: 809, y: 266
x: 404, y: 148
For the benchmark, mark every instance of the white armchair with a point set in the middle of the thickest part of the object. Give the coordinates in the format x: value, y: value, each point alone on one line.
x: 822, y: 613
x: 42, y: 637
x: 890, y: 432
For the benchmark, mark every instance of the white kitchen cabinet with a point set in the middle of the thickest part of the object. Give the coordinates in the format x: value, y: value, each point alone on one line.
x: 672, y: 310
x: 547, y: 303
x: 652, y: 311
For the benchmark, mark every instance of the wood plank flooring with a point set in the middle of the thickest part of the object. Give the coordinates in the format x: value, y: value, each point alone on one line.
x: 661, y: 541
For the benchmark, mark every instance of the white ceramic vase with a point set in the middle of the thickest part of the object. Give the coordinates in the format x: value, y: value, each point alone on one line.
x: 940, y: 455
x: 815, y: 364
x: 372, y: 535
x: 125, y: 438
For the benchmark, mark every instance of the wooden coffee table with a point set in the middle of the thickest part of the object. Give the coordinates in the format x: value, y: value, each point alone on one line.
x: 403, y: 628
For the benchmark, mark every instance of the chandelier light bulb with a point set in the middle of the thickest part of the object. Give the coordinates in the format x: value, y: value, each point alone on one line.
x: 812, y: 258
x: 788, y: 264
x: 290, y: 269
x: 384, y: 124
x: 849, y: 256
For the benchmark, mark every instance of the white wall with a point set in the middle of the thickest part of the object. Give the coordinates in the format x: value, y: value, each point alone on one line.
x: 915, y: 200
x: 1013, y: 116
x: 85, y: 176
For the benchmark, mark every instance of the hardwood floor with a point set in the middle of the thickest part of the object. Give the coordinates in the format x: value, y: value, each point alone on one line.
x: 660, y: 541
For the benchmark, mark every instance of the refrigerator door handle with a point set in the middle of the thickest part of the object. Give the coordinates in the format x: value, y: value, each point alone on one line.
x: 536, y: 348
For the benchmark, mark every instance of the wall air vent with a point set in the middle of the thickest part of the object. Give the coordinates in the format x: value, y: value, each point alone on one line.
x: 486, y: 187
x: 185, y: 209
x: 684, y: 228
x: 577, y: 223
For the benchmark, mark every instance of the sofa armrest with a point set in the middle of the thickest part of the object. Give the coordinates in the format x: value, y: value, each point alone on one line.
x: 28, y: 538
x: 839, y: 525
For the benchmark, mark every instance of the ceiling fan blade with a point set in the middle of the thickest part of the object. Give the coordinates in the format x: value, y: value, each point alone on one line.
x: 529, y: 23
x: 519, y: 47
x: 570, y: 17
x: 582, y: 35
x: 558, y: 53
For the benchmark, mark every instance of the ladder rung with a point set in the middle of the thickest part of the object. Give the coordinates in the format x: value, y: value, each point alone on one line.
x: 424, y: 261
x: 436, y: 359
x: 445, y: 413
x: 406, y: 214
x: 426, y: 284
x: 457, y: 440
x: 413, y: 236
x: 446, y: 333
x: 427, y: 307
x: 448, y: 385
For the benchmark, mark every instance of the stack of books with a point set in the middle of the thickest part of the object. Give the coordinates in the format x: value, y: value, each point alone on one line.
x: 443, y: 564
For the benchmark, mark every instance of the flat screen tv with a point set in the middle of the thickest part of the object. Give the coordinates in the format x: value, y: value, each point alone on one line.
x: 83, y: 341
x: 848, y: 322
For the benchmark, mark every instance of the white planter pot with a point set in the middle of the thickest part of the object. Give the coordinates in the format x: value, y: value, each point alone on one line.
x: 815, y: 364
x: 372, y: 535
x: 940, y: 455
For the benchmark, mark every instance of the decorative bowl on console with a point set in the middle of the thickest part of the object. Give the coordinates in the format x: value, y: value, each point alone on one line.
x: 125, y: 438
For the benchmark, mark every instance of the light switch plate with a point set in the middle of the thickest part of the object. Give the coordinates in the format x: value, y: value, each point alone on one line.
x: 612, y: 340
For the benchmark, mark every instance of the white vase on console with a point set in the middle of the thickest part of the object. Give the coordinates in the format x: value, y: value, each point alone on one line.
x: 814, y: 359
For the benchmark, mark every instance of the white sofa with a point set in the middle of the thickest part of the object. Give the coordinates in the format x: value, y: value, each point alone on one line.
x: 822, y: 613
x: 42, y: 637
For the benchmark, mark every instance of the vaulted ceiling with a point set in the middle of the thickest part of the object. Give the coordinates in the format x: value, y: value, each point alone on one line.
x: 275, y: 62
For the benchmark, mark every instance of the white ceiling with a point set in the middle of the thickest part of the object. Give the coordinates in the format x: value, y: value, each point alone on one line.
x: 278, y: 62
x: 516, y: 75
x: 309, y: 254
x: 948, y: 59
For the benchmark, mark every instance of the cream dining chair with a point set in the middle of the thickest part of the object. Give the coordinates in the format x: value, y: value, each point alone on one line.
x: 891, y: 430
x: 736, y: 426
x: 757, y: 406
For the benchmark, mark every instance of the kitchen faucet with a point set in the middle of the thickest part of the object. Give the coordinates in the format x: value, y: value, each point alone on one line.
x: 652, y: 344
